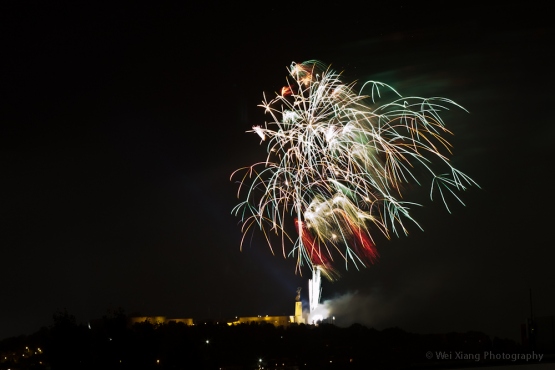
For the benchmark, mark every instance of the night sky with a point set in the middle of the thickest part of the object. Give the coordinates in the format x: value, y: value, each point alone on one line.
x: 121, y: 125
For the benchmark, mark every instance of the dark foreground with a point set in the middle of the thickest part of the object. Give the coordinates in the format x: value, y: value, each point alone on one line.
x: 111, y: 343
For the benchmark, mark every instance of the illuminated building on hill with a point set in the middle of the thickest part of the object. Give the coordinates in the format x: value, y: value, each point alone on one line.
x: 158, y: 320
x: 297, y: 318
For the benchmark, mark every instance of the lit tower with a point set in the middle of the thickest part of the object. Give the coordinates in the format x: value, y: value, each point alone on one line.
x: 314, y: 288
x: 298, y: 318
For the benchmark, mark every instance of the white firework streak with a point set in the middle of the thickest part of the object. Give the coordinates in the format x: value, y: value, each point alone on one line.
x: 314, y: 289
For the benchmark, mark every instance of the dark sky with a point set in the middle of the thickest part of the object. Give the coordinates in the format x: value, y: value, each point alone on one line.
x: 121, y: 125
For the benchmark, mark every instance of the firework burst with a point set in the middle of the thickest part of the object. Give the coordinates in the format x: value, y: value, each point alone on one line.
x: 338, y: 164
